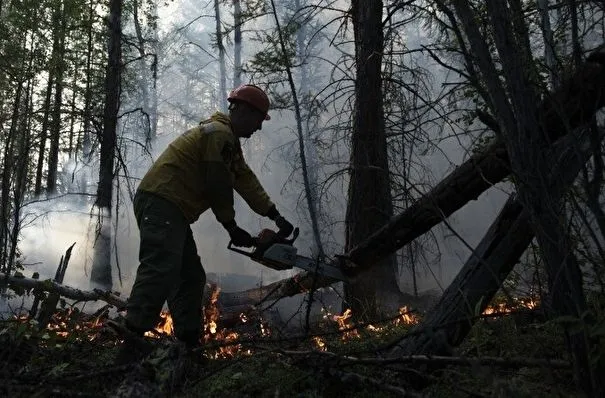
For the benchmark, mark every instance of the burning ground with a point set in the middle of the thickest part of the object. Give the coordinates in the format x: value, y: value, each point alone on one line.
x: 510, y: 352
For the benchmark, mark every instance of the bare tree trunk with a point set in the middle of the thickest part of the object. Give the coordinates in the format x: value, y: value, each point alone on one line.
x: 549, y: 43
x: 22, y: 163
x: 7, y: 176
x: 101, y: 268
x: 71, y: 150
x: 237, y: 43
x: 311, y: 203
x: 309, y: 156
x: 222, y: 97
x: 148, y: 93
x: 44, y: 135
x: 370, y: 203
x: 55, y: 127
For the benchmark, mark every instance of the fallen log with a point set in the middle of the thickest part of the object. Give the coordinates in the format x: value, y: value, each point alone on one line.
x: 52, y: 286
x: 491, y: 262
x: 567, y: 109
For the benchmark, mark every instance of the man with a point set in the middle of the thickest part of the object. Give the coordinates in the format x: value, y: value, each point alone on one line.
x: 198, y: 171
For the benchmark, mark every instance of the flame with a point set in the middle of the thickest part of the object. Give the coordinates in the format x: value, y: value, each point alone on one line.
x: 212, y: 332
x: 165, y: 326
x: 507, y: 308
x: 320, y: 343
x: 344, y: 324
x: 406, y: 317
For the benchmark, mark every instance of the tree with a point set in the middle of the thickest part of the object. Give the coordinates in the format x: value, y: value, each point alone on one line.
x: 101, y: 268
x: 369, y: 199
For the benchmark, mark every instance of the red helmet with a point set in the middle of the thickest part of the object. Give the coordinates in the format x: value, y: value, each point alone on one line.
x: 253, y: 95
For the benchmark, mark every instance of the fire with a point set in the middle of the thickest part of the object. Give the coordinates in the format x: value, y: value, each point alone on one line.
x: 406, y: 317
x: 165, y: 326
x: 344, y: 324
x: 507, y: 308
x: 320, y: 343
x: 212, y: 332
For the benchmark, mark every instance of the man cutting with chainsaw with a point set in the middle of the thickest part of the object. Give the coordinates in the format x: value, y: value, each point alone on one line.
x: 198, y: 171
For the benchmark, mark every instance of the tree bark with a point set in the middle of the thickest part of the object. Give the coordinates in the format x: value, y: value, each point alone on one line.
x: 101, y: 267
x: 237, y: 43
x: 43, y: 135
x: 222, y: 97
x: 370, y: 203
x: 58, y: 70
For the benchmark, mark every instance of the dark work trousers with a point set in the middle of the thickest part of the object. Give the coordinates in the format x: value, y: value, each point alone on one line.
x: 169, y: 270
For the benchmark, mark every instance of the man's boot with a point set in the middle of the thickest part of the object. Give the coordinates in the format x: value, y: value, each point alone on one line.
x: 134, y: 348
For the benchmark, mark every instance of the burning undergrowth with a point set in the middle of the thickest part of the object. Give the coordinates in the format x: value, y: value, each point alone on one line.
x: 79, y: 342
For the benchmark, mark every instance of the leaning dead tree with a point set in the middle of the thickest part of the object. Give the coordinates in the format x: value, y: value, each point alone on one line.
x: 563, y: 114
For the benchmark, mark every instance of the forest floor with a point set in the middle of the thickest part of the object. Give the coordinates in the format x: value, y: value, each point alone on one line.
x: 74, y: 356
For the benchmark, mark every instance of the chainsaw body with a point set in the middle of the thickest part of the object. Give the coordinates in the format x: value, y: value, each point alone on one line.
x: 276, y: 252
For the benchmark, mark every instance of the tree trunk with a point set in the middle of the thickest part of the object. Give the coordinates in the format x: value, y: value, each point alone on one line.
x: 237, y: 43
x: 101, y: 268
x: 222, y: 97
x: 309, y: 197
x: 22, y: 162
x: 8, y: 169
x: 549, y: 43
x: 306, y: 144
x: 58, y: 70
x: 148, y: 93
x: 370, y: 203
x: 44, y: 135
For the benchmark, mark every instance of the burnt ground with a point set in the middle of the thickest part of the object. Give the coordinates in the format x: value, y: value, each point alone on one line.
x: 74, y: 357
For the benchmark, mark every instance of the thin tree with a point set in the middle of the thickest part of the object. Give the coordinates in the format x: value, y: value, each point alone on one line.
x: 101, y: 268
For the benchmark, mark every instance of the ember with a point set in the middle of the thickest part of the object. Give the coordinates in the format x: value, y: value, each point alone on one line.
x: 507, y: 308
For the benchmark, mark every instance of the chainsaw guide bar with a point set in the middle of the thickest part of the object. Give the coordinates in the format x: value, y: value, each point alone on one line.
x: 276, y: 252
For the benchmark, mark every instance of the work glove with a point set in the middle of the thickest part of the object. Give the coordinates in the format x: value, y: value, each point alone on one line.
x: 285, y: 227
x: 239, y: 237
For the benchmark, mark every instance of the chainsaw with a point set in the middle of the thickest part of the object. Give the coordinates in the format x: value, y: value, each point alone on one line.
x: 278, y: 252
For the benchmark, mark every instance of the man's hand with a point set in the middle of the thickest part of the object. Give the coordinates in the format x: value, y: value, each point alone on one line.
x: 239, y: 237
x: 285, y: 228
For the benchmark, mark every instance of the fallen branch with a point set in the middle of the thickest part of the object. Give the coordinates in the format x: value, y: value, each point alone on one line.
x: 51, y: 286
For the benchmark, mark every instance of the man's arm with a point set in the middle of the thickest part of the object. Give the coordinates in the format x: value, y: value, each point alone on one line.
x: 249, y: 187
x: 215, y: 175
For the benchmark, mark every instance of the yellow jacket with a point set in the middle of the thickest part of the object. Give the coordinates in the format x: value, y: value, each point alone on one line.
x: 200, y: 169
